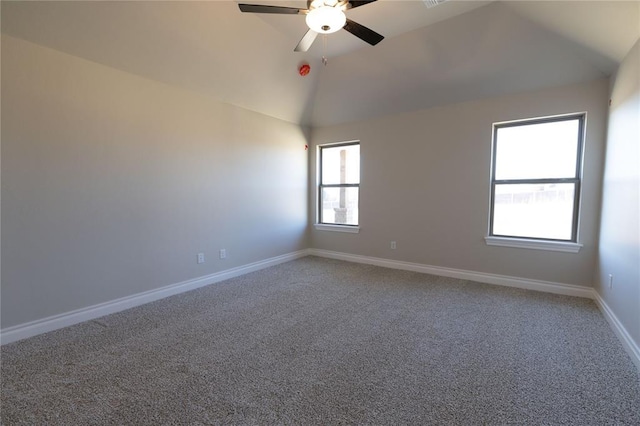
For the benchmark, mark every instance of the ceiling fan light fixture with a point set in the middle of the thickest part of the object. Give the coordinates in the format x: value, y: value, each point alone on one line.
x: 326, y: 19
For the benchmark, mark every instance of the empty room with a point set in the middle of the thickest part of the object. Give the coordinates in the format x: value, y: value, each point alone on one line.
x: 385, y: 212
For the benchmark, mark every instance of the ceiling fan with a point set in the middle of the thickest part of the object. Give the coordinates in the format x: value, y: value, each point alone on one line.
x: 322, y: 17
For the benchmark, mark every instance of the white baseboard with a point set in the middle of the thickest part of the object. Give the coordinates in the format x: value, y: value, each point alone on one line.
x: 625, y: 338
x: 33, y: 328
x: 525, y: 283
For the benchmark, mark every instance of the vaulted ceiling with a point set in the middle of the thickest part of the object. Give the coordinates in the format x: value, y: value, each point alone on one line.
x: 457, y: 51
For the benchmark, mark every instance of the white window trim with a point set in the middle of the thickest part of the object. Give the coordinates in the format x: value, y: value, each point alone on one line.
x: 562, y: 246
x: 540, y: 244
x: 337, y: 228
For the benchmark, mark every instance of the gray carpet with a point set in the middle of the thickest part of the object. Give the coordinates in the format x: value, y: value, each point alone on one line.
x: 318, y: 341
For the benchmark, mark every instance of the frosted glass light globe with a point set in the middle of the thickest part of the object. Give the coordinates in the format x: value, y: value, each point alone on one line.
x: 326, y: 19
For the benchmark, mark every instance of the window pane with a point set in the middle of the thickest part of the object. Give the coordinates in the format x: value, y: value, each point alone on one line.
x: 534, y: 211
x: 340, y: 206
x: 533, y: 151
x: 341, y: 164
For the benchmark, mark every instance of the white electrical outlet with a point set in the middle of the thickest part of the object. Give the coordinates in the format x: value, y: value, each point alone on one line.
x: 610, y: 280
x: 393, y: 245
x: 200, y: 257
x: 223, y: 253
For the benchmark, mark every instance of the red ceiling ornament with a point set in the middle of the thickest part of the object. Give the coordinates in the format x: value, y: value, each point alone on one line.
x: 304, y: 69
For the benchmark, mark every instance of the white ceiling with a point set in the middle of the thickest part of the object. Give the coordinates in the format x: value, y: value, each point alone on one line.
x: 460, y: 50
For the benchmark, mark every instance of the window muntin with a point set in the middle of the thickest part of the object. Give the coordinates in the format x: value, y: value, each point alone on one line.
x: 339, y: 189
x: 536, y: 172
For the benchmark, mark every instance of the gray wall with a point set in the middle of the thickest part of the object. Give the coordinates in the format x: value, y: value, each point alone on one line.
x: 112, y: 183
x: 425, y: 184
x: 619, y: 252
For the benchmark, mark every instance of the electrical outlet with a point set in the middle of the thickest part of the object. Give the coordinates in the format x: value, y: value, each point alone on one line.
x: 610, y: 280
x: 223, y: 253
x: 393, y: 245
x: 200, y: 257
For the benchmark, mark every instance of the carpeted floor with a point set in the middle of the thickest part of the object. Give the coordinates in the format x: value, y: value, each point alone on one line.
x: 318, y: 341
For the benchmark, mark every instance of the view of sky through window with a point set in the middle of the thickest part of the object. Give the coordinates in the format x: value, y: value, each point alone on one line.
x: 543, y: 150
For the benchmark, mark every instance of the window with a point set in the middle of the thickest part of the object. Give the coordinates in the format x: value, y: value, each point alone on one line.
x: 339, y: 188
x: 535, y: 179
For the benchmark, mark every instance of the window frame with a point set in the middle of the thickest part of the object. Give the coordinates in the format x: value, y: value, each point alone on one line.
x: 327, y: 226
x: 567, y: 245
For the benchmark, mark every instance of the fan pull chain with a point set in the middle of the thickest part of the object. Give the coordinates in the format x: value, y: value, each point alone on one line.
x: 324, y: 50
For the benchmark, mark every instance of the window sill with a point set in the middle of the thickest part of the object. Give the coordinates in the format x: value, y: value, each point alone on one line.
x: 566, y: 247
x: 337, y: 228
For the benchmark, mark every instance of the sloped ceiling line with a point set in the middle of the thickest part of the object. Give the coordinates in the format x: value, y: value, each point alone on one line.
x: 459, y: 50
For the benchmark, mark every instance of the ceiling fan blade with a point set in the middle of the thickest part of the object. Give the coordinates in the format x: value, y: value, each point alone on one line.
x: 306, y: 42
x: 363, y: 32
x: 358, y: 3
x: 261, y: 8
